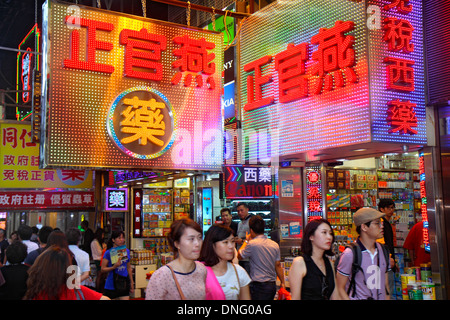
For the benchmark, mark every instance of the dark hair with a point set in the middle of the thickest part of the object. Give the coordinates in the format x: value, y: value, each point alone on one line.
x: 16, y: 252
x: 59, y: 239
x: 385, y: 203
x: 114, y: 235
x: 242, y: 204
x: 358, y: 228
x: 214, y: 234
x: 225, y: 209
x: 44, y: 233
x: 73, y: 236
x: 25, y: 232
x: 48, y: 275
x: 309, y: 231
x: 177, y: 229
x: 257, y: 224
x: 99, y: 235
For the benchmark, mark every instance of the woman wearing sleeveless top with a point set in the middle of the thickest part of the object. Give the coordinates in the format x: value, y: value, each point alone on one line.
x: 311, y: 276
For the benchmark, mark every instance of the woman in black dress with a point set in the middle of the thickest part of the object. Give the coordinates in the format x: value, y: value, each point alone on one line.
x: 311, y: 276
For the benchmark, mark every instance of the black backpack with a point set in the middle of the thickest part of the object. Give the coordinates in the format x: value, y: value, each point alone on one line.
x: 356, y: 265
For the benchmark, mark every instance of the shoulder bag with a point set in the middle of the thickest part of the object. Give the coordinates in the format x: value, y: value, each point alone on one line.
x: 177, y: 284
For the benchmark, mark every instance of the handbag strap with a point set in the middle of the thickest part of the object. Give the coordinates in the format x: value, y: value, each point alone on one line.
x: 237, y: 276
x: 176, y: 282
x: 79, y: 294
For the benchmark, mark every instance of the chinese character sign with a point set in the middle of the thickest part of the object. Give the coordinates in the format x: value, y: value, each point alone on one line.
x: 398, y: 94
x: 248, y: 182
x: 347, y: 73
x: 314, y: 199
x: 19, y: 163
x: 116, y: 199
x: 141, y: 93
x: 49, y: 200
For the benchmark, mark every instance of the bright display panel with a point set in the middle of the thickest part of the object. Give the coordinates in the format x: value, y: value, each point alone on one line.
x: 324, y: 74
x: 122, y: 91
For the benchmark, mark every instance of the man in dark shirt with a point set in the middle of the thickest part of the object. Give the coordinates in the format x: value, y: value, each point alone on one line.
x: 387, y: 206
x: 3, y: 245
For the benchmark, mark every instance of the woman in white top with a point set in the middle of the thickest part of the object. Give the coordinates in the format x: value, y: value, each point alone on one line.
x: 231, y: 281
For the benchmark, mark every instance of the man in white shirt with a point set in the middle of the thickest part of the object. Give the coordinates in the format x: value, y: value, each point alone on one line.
x: 73, y: 236
x: 25, y: 232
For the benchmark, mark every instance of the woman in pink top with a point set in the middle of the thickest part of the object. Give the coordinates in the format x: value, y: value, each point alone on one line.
x: 184, y: 277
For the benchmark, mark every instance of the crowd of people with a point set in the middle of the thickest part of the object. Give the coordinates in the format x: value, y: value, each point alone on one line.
x: 231, y: 262
x: 49, y: 264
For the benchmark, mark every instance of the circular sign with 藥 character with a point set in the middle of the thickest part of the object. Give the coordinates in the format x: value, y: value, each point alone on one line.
x: 142, y: 123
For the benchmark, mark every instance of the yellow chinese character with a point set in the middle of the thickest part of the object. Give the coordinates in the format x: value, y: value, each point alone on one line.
x: 144, y: 120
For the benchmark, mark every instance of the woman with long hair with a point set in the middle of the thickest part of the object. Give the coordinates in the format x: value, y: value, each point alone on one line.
x: 184, y: 277
x: 119, y: 272
x: 51, y: 277
x: 225, y: 280
x: 311, y: 276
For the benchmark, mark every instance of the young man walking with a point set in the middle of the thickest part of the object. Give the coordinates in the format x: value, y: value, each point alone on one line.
x: 371, y: 281
x: 264, y: 257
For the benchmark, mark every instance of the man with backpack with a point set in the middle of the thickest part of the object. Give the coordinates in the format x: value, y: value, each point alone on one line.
x: 362, y: 268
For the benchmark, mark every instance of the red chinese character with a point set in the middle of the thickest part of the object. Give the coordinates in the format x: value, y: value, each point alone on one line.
x: 402, y: 117
x: 9, y: 136
x: 9, y: 160
x: 335, y: 57
x: 255, y: 97
x: 291, y: 68
x: 313, y: 177
x: 314, y: 193
x: 26, y: 135
x: 73, y: 175
x: 401, y: 5
x: 398, y: 34
x: 314, y: 206
x: 8, y: 175
x: 92, y: 45
x: 147, y: 55
x: 194, y: 57
x: 400, y: 74
x: 22, y: 175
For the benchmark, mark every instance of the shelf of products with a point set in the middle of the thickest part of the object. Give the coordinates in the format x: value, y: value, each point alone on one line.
x: 181, y: 200
x: 156, y: 212
x: 262, y: 207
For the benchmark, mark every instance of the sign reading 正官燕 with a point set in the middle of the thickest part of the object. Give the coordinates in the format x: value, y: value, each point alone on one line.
x: 335, y: 75
x: 122, y: 91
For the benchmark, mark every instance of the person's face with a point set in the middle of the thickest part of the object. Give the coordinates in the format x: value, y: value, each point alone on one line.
x: 190, y: 244
x: 226, y: 217
x: 375, y: 229
x: 242, y: 212
x: 388, y: 211
x: 119, y: 241
x: 323, y: 237
x: 225, y: 248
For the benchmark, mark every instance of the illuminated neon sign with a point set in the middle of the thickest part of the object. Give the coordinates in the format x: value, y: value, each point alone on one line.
x: 144, y: 93
x: 314, y: 199
x: 116, y: 199
x: 348, y: 73
x: 27, y: 61
x: 248, y: 182
x: 423, y: 208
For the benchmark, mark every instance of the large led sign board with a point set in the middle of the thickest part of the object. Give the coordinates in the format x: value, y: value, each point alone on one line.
x: 122, y: 91
x: 326, y: 74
